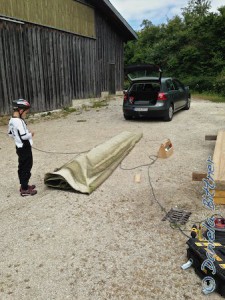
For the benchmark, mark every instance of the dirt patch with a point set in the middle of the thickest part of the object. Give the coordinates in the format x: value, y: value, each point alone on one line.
x: 113, y: 243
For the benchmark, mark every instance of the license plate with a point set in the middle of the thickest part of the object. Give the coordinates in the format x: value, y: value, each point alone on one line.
x: 140, y: 109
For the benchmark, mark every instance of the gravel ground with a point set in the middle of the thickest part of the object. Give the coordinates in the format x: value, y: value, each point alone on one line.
x: 113, y: 243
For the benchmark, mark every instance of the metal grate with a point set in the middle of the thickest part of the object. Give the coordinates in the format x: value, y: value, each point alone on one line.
x: 177, y: 216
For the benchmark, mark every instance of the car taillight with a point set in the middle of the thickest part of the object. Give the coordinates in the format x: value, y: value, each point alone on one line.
x: 162, y: 96
x: 125, y: 97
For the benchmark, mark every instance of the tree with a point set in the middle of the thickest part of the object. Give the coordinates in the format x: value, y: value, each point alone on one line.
x: 191, y: 48
x: 196, y: 10
x: 146, y: 24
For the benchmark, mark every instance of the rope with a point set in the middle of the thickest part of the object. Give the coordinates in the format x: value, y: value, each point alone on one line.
x: 55, y: 152
x: 145, y: 165
x: 152, y: 157
x: 172, y: 225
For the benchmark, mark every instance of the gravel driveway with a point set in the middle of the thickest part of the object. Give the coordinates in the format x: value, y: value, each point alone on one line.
x: 113, y: 243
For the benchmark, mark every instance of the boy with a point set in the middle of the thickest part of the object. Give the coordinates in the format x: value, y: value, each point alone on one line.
x: 23, y: 140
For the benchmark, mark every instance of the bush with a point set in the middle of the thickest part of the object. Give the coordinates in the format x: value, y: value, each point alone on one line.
x: 219, y: 86
x: 126, y: 84
x: 200, y: 84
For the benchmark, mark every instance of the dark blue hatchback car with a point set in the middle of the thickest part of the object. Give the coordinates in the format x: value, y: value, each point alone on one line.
x: 153, y: 96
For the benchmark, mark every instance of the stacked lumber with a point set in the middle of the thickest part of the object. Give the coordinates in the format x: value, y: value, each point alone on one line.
x: 219, y: 168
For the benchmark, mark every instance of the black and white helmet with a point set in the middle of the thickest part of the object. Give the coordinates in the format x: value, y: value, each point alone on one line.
x: 21, y: 104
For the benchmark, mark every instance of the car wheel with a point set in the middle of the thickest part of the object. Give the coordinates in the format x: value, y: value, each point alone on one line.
x: 188, y: 104
x: 169, y: 114
x: 126, y: 117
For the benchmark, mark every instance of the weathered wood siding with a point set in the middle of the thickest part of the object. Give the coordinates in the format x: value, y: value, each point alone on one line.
x: 110, y: 50
x: 67, y: 15
x: 51, y: 67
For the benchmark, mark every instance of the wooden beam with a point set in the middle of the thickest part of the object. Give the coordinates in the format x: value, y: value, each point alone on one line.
x: 219, y: 194
x: 196, y: 176
x: 219, y: 200
x: 219, y: 160
x: 210, y: 137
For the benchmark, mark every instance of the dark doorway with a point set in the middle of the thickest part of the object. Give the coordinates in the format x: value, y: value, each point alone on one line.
x: 112, y: 79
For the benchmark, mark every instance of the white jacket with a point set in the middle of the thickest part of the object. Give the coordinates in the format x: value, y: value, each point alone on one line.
x: 19, y: 132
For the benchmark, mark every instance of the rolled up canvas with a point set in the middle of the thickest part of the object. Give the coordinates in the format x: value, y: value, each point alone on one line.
x: 87, y: 171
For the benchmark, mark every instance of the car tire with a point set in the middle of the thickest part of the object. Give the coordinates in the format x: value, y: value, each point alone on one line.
x: 188, y: 104
x: 169, y: 114
x: 126, y: 117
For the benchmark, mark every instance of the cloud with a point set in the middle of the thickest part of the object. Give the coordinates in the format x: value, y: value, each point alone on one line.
x: 134, y: 12
x: 145, y: 9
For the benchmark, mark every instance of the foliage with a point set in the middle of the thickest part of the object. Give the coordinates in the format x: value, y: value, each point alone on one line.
x: 196, y: 10
x: 219, y: 85
x: 200, y: 84
x: 208, y: 96
x: 99, y: 104
x: 190, y: 47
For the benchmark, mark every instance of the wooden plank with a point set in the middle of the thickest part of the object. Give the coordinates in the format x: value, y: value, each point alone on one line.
x: 219, y: 159
x: 44, y: 48
x: 22, y: 61
x: 27, y: 49
x: 3, y: 84
x: 210, y: 137
x: 137, y: 177
x: 220, y: 185
x: 219, y: 200
x: 219, y: 194
x: 32, y: 66
x: 40, y: 66
x: 52, y: 72
x: 14, y: 63
x: 67, y: 99
x: 56, y: 69
x: 196, y: 176
x: 8, y: 78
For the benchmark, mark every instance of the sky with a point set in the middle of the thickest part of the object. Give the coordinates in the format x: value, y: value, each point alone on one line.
x: 135, y: 11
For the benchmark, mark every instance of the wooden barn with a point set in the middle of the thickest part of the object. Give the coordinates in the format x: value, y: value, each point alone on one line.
x: 55, y: 51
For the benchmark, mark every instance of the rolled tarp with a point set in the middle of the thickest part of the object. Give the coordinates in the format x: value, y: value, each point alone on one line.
x: 88, y: 170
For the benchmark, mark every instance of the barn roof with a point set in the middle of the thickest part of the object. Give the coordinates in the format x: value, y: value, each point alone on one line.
x: 115, y: 18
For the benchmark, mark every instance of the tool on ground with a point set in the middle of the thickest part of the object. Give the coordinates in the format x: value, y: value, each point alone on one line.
x: 166, y: 149
x: 206, y: 251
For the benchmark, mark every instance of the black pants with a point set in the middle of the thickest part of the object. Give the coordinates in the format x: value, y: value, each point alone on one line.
x: 25, y: 159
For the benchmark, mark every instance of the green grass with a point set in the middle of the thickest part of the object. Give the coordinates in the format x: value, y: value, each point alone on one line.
x: 208, y: 96
x: 69, y: 109
x: 99, y: 104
